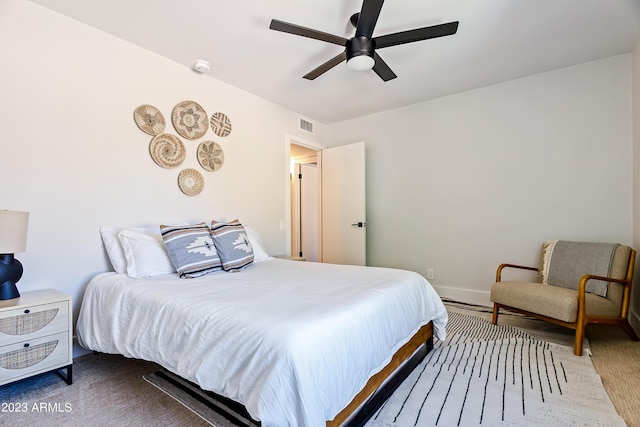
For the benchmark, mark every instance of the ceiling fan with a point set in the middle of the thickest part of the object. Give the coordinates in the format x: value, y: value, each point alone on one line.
x: 360, y: 50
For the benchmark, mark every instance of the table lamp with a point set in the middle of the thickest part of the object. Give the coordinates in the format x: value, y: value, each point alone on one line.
x: 13, y: 239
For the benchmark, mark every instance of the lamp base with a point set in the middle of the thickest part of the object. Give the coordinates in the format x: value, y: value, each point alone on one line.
x: 10, y: 273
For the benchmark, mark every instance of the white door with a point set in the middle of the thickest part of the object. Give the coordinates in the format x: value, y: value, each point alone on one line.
x: 344, y: 205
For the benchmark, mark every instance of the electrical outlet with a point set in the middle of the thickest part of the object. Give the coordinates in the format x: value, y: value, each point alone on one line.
x: 430, y: 273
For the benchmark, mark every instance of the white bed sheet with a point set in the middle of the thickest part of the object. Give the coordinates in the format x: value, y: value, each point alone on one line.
x: 293, y: 341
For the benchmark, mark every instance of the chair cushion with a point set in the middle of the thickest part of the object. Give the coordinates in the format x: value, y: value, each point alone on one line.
x: 551, y: 301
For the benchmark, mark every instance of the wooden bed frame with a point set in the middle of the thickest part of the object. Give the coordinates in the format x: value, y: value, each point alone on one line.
x: 357, y: 412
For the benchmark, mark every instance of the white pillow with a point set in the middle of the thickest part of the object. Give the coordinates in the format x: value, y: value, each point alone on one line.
x: 145, y: 253
x: 259, y: 253
x: 114, y: 248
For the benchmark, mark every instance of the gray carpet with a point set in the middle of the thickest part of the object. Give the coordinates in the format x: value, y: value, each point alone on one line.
x: 107, y: 391
x: 215, y: 409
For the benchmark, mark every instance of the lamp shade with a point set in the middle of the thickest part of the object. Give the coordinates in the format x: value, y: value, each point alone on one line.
x: 13, y: 231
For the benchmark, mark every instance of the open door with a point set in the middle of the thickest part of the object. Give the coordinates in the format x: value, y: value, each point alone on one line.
x: 344, y: 204
x: 305, y: 202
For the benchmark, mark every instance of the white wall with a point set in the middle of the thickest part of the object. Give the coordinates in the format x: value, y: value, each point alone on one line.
x: 73, y: 156
x: 634, y: 312
x: 463, y: 183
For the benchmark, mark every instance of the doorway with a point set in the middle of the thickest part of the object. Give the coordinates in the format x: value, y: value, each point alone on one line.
x: 335, y: 225
x: 305, y: 218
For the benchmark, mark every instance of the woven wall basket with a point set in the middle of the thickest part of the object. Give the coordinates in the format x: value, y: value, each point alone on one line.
x: 190, y: 182
x: 210, y: 156
x: 149, y: 119
x: 167, y: 150
x: 190, y: 120
x: 220, y: 124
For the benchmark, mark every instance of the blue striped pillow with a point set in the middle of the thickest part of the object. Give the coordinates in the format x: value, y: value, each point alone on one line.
x: 191, y: 249
x: 233, y: 245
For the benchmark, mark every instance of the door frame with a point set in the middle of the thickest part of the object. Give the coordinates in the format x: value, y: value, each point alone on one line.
x: 292, y: 139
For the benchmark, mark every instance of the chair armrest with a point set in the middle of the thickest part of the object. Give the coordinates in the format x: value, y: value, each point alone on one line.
x: 587, y: 277
x: 582, y: 291
x: 582, y: 286
x: 502, y: 266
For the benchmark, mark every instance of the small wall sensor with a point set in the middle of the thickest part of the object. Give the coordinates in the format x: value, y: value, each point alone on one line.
x: 201, y: 66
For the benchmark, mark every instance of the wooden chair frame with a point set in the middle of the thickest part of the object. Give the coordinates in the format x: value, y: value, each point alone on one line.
x: 583, y: 319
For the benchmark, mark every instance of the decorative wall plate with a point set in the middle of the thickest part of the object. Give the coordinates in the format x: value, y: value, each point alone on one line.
x: 149, y: 119
x: 167, y: 150
x: 210, y: 155
x: 190, y: 182
x: 220, y: 124
x: 190, y: 119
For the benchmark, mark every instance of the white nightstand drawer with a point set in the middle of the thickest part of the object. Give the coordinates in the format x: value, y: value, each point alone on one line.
x: 31, y: 357
x: 22, y: 324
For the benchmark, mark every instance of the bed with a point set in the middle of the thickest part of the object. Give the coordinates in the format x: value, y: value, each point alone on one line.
x: 297, y: 343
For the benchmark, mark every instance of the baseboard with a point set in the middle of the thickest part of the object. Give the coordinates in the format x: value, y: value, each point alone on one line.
x: 471, y: 296
x: 468, y: 296
x: 634, y: 321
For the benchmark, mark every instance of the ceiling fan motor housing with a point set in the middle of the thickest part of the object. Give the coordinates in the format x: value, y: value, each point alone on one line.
x: 358, y: 46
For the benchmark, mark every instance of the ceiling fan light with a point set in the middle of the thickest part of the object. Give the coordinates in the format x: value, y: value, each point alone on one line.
x: 361, y: 63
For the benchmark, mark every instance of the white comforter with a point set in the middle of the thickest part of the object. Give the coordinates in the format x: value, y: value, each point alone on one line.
x: 293, y: 341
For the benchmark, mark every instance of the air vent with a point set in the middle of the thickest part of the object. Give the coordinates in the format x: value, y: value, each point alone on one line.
x: 306, y: 125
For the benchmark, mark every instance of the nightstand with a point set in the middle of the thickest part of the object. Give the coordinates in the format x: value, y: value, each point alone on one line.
x: 35, y: 335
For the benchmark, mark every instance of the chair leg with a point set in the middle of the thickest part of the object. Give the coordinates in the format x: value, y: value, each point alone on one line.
x: 577, y: 346
x: 494, y: 318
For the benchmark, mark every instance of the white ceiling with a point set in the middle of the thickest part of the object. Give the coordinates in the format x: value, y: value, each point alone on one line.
x: 497, y: 40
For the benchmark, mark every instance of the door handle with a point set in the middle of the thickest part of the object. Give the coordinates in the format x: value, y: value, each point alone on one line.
x: 359, y: 224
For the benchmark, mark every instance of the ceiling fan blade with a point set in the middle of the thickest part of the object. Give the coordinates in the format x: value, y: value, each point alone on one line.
x: 298, y: 30
x: 317, y: 72
x: 368, y: 17
x: 382, y: 69
x: 311, y: 75
x: 418, y: 34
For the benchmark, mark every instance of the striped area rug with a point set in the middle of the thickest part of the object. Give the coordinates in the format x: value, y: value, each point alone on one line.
x: 488, y: 375
x: 481, y: 375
